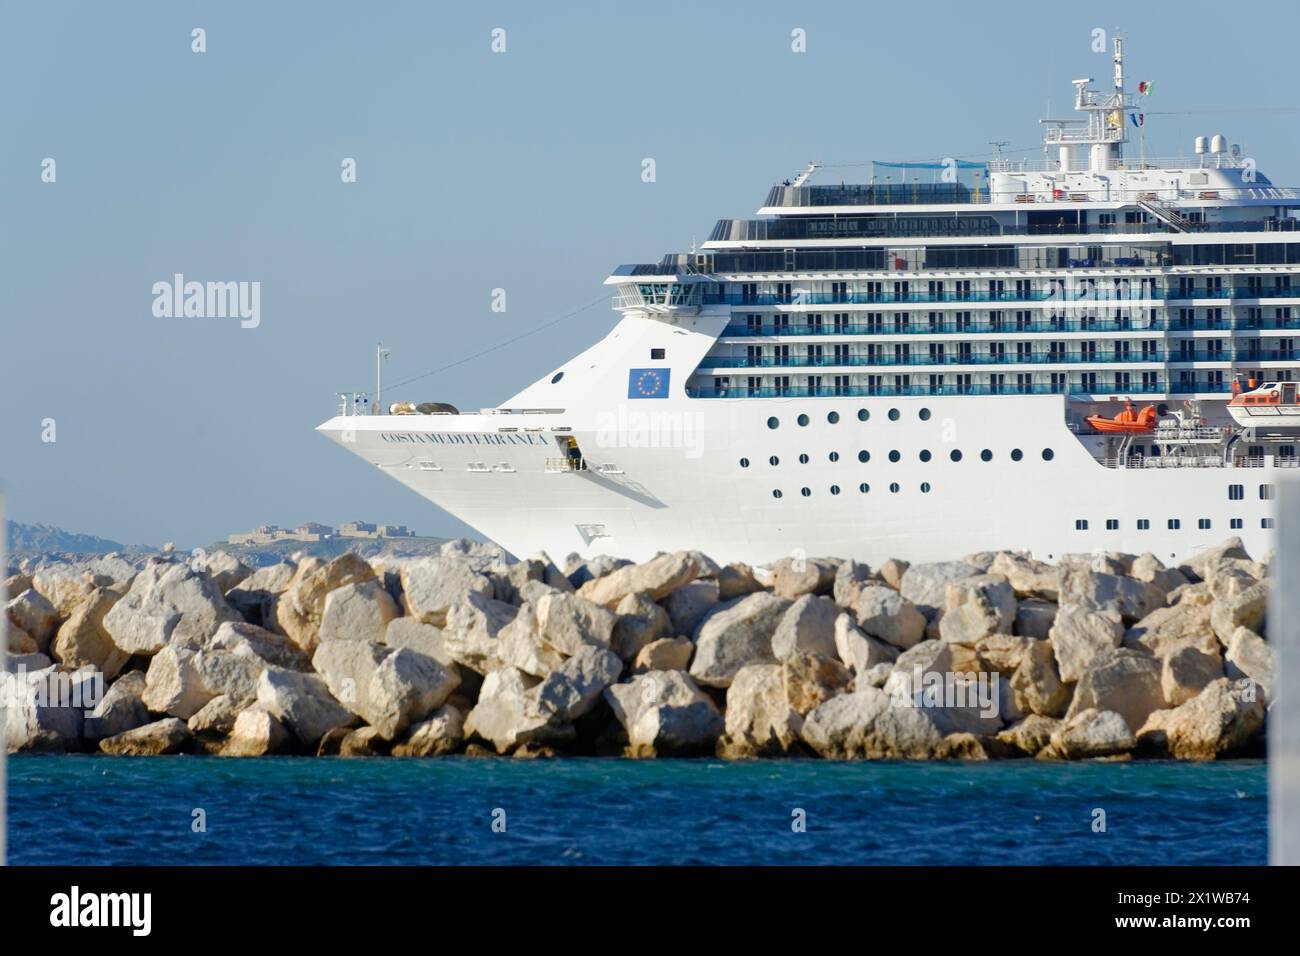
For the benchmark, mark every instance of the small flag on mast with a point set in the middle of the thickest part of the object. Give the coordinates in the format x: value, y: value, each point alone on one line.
x: 1144, y: 87
x: 1138, y: 118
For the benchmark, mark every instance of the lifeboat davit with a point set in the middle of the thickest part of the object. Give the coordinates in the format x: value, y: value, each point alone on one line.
x: 1126, y: 422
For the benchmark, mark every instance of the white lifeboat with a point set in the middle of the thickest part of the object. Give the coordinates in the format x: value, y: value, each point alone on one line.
x: 1271, y: 406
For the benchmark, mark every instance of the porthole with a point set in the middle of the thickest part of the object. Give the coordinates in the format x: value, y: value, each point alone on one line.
x: 1017, y: 454
x: 556, y: 377
x: 955, y: 454
x: 776, y: 492
x: 774, y: 422
x: 835, y: 489
x: 864, y: 456
x: 895, y: 455
x: 834, y: 456
x: 986, y: 455
x: 833, y: 417
x: 924, y: 414
x: 802, y: 420
x: 925, y: 454
x: 893, y: 414
x: 744, y: 463
x: 774, y: 461
x: 1048, y: 454
x: 925, y: 487
x: 805, y: 492
x: 894, y: 487
x: 864, y: 487
x: 803, y: 459
x: 863, y: 414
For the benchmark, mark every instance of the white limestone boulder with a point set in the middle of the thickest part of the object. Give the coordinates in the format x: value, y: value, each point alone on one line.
x: 640, y: 621
x: 1031, y: 579
x: 432, y: 586
x: 1130, y: 598
x: 734, y: 634
x: 807, y: 625
x: 1092, y: 733
x: 471, y: 634
x: 1122, y: 681
x: 388, y: 689
x: 300, y: 608
x: 256, y: 733
x: 360, y: 611
x: 885, y: 614
x: 1036, y: 684
x: 1219, y: 721
x: 759, y: 721
x: 794, y: 577
x: 442, y: 732
x: 868, y: 723
x: 664, y: 713
x: 46, y: 709
x: 1250, y: 657
x: 32, y: 612
x: 658, y: 578
x: 688, y: 605
x: 82, y: 640
x: 167, y: 604
x: 166, y: 736
x: 575, y: 687
x: 665, y: 654
x: 1081, y: 633
x: 119, y: 710
x: 303, y: 703
x: 858, y: 650
x: 976, y: 608
x: 173, y: 685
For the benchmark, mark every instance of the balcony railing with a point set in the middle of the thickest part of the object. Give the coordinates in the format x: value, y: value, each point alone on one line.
x: 1157, y: 327
x: 1072, y: 297
x: 947, y: 358
x: 1037, y: 388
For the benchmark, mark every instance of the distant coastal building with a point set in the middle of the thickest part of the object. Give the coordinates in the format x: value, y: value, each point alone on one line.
x: 314, y: 531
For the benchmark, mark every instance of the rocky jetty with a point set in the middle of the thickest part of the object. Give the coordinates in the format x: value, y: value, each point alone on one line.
x: 470, y: 651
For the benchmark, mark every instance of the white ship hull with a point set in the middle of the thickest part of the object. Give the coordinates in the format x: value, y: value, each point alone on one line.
x: 688, y: 489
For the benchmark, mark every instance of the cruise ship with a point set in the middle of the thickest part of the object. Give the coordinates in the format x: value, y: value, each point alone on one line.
x: 1092, y: 352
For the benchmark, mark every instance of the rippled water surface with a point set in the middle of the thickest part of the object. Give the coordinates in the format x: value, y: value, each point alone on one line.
x: 114, y: 810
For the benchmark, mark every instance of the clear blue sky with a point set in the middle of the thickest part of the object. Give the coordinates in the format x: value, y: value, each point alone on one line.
x: 476, y: 171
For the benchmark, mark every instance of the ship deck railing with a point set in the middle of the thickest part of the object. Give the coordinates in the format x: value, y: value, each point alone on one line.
x: 1080, y: 292
x: 1198, y: 461
x: 886, y: 360
x: 1011, y: 328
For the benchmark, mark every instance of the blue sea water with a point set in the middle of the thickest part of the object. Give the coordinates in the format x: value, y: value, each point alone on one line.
x: 285, y: 810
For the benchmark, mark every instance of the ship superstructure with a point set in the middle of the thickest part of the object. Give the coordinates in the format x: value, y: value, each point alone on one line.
x: 914, y: 368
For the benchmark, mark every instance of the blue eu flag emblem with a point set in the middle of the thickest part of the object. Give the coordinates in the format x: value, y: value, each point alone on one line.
x: 647, y: 382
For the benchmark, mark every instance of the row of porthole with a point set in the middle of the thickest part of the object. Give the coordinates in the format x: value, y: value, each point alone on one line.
x: 833, y: 417
x: 864, y: 488
x: 896, y: 456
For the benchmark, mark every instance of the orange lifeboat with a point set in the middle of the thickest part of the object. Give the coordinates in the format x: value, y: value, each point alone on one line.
x: 1126, y: 422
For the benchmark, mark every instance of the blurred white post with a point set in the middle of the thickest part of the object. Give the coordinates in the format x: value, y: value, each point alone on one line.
x: 4, y: 666
x: 1284, y: 715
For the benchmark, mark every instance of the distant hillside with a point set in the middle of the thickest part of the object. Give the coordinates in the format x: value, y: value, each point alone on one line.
x: 47, y: 539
